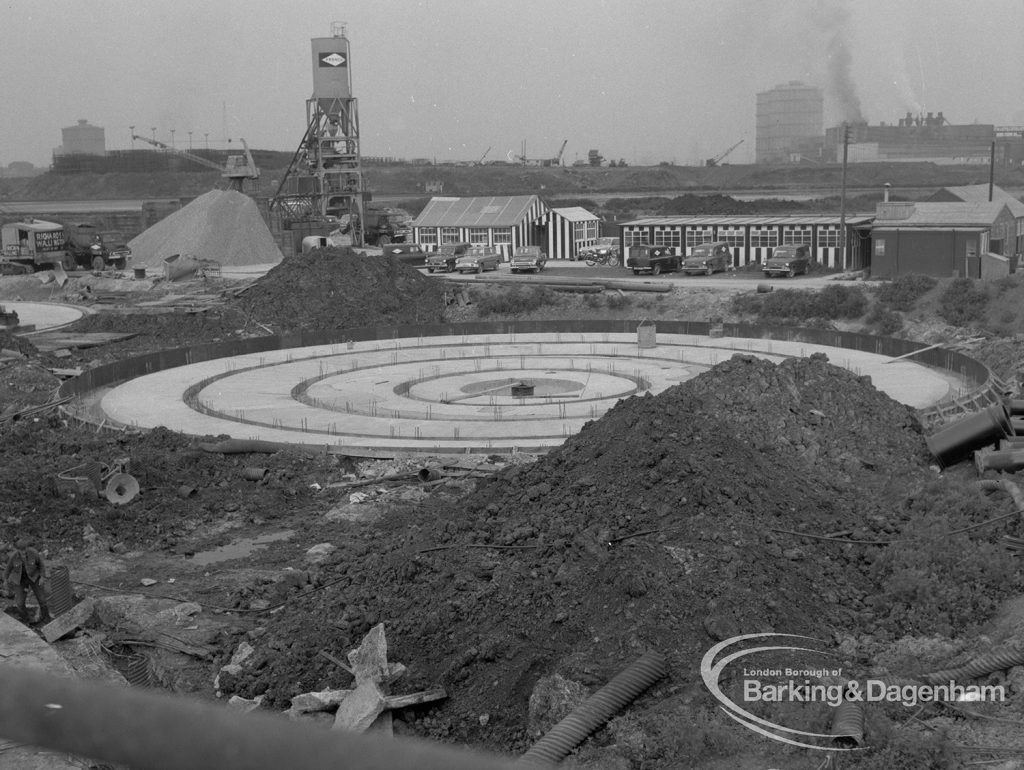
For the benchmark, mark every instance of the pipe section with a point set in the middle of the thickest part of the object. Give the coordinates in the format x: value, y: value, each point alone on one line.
x: 148, y: 730
x: 596, y: 710
x: 848, y: 724
x: 1006, y: 460
x: 974, y: 431
x: 998, y: 660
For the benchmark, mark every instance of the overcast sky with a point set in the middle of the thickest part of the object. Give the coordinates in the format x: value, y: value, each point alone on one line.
x: 643, y: 80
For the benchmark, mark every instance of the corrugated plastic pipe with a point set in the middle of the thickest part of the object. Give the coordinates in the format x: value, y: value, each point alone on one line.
x: 848, y: 724
x: 596, y: 710
x: 997, y: 660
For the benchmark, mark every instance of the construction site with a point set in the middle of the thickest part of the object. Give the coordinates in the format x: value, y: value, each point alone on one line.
x: 310, y: 506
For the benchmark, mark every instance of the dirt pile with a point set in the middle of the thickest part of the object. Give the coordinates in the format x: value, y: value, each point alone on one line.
x: 222, y: 225
x: 340, y: 288
x: 655, y: 526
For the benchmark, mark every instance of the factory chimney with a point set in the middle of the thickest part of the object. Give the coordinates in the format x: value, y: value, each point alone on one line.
x: 887, y: 186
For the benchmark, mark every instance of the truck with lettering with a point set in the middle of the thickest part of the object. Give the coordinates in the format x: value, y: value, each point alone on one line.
x: 87, y: 248
x: 33, y: 244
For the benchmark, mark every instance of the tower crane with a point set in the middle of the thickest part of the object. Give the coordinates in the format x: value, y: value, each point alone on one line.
x: 719, y: 158
x: 236, y: 170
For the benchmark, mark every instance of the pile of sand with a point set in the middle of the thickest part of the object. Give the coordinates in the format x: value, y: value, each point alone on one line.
x: 222, y: 225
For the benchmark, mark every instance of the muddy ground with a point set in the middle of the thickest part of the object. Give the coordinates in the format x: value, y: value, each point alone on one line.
x: 757, y: 498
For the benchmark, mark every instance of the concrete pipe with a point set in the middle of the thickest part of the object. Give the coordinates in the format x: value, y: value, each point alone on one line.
x: 428, y: 474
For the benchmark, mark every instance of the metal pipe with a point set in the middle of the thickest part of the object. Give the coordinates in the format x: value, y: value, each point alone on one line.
x: 147, y: 730
x: 1007, y: 460
x: 972, y: 432
x: 848, y: 724
x: 997, y: 660
x: 596, y: 710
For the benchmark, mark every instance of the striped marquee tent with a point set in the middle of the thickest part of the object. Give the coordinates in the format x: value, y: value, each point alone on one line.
x: 752, y: 238
x: 505, y: 222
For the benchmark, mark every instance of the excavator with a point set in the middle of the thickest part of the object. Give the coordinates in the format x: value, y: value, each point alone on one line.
x: 236, y: 170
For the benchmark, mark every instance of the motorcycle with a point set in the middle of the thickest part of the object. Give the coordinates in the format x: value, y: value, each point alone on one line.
x: 606, y: 257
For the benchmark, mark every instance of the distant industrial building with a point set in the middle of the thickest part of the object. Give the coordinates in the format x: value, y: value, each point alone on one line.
x: 929, y: 138
x: 790, y: 123
x: 82, y: 139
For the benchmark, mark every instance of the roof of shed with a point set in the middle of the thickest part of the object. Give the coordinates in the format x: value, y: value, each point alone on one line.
x: 944, y: 213
x: 978, y: 193
x: 501, y: 211
x: 738, y: 219
x: 575, y: 214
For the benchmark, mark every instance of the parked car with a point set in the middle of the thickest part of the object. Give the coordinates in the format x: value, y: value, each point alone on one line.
x: 528, y: 258
x: 788, y: 259
x: 445, y: 256
x: 652, y: 259
x: 708, y: 258
x: 407, y: 253
x: 478, y: 259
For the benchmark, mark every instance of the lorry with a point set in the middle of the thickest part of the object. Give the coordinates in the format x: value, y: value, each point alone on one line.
x: 33, y: 244
x: 86, y: 246
x: 382, y: 225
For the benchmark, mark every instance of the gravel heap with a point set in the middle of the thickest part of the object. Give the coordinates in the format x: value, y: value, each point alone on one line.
x: 340, y: 288
x: 222, y: 225
x: 656, y: 526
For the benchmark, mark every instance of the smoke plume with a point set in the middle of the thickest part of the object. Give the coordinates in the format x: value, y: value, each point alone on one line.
x: 831, y: 19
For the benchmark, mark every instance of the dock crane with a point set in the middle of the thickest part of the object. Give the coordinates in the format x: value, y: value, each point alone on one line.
x: 236, y: 170
x: 719, y: 158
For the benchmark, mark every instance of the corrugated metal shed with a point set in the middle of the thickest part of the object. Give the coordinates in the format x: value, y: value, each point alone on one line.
x: 501, y: 211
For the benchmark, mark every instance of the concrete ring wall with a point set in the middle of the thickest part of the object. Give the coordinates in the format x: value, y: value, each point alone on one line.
x: 983, y: 389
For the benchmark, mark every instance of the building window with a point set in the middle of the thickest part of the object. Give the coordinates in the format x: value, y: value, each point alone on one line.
x: 633, y: 237
x: 501, y: 235
x: 734, y: 236
x: 828, y: 236
x: 449, y: 235
x: 584, y: 232
x: 695, y: 236
x: 427, y: 236
x: 764, y: 236
x: 478, y: 236
x: 668, y: 236
x: 797, y: 234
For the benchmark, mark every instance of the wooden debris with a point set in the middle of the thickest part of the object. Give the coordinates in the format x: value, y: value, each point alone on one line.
x: 416, y: 698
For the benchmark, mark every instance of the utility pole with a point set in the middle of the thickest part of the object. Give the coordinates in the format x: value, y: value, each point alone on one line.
x: 132, y: 129
x: 842, y: 199
x: 992, y: 172
x: 190, y: 141
x: 172, y: 138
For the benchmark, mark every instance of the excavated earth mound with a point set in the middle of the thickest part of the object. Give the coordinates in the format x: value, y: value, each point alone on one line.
x: 661, y: 525
x: 221, y: 225
x: 339, y: 288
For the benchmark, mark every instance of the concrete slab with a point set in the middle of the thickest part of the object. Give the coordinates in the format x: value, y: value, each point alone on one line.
x: 453, y: 394
x: 44, y: 315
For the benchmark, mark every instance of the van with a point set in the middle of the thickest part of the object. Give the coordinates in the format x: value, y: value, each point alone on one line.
x: 788, y: 259
x: 445, y: 256
x: 708, y: 258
